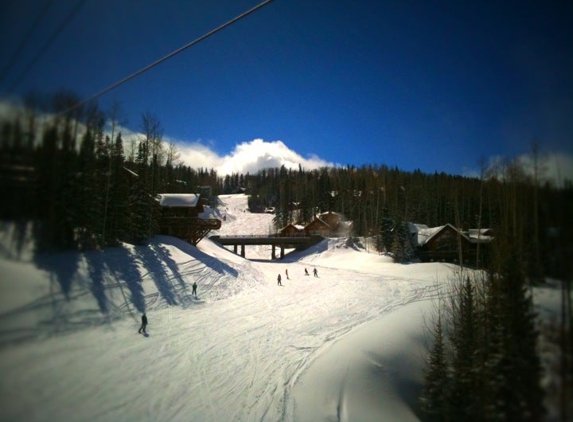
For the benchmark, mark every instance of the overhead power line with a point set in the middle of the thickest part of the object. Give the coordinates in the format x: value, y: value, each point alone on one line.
x: 47, y: 45
x: 161, y: 60
x: 14, y: 57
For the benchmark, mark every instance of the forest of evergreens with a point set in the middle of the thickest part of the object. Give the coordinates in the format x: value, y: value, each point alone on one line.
x: 82, y: 187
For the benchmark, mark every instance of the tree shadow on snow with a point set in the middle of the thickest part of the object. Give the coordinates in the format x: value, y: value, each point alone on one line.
x: 63, y: 307
x: 62, y: 267
x: 150, y: 260
x: 122, y: 266
x: 96, y: 273
x: 164, y: 255
x: 108, y: 271
x: 207, y: 260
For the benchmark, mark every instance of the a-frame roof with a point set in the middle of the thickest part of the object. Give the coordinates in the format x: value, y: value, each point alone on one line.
x: 298, y: 227
x: 318, y: 221
x: 425, y: 235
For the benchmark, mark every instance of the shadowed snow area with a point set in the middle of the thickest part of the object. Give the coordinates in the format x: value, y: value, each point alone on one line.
x: 345, y: 345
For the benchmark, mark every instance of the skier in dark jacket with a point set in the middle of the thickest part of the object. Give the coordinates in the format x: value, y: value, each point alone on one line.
x: 279, y: 281
x: 143, y: 324
x: 194, y: 289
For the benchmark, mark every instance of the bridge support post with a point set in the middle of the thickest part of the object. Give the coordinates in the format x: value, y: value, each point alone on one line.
x: 273, y: 256
x: 243, y: 250
x: 235, y: 248
x: 282, y: 251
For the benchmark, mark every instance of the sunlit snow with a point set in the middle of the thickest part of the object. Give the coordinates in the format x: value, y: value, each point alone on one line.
x: 346, y: 345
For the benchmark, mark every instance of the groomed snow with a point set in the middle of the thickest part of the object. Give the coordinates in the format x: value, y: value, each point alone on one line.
x: 345, y: 345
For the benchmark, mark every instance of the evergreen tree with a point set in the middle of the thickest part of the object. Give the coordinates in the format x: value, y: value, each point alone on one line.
x: 118, y: 195
x: 86, y: 215
x: 386, y: 234
x: 142, y: 204
x: 464, y: 343
x: 48, y: 184
x: 402, y: 249
x: 435, y: 395
x: 523, y: 369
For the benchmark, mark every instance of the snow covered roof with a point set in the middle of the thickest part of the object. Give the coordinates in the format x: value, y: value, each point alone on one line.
x: 472, y: 235
x: 296, y: 226
x: 480, y: 235
x: 476, y: 232
x: 329, y: 213
x: 424, y: 235
x: 415, y: 227
x: 189, y: 200
x: 317, y: 220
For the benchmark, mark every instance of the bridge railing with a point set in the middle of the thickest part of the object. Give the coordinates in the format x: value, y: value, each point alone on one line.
x: 256, y: 236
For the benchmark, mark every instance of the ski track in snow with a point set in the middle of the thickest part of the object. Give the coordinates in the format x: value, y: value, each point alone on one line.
x: 241, y: 345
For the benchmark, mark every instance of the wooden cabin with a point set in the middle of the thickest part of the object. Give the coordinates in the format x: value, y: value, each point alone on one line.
x: 443, y: 244
x: 333, y: 220
x: 180, y: 217
x: 317, y: 226
x: 292, y: 230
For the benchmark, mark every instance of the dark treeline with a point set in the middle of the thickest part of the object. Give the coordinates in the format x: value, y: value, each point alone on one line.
x: 80, y: 183
x: 84, y: 187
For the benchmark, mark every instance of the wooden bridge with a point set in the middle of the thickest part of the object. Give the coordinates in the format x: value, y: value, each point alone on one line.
x: 282, y: 242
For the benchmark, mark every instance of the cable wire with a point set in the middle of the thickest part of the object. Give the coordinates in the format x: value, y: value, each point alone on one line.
x: 161, y: 60
x: 47, y: 45
x: 25, y: 40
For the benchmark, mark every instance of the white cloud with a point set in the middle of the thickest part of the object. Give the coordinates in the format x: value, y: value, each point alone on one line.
x: 197, y: 155
x: 248, y: 157
x: 553, y: 167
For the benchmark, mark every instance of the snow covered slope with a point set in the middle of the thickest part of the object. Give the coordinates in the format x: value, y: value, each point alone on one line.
x: 244, y: 349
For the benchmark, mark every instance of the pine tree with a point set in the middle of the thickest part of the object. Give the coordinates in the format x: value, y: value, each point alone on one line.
x: 386, y: 234
x: 402, y: 248
x: 86, y: 215
x: 117, y: 203
x: 524, y: 368
x: 142, y: 205
x: 435, y: 395
x: 464, y: 341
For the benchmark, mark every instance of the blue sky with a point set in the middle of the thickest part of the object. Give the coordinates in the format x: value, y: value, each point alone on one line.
x: 419, y: 85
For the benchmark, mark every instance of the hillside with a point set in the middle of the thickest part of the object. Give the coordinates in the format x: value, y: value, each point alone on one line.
x: 345, y: 345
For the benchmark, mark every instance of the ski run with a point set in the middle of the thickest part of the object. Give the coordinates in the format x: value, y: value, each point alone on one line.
x: 344, y: 346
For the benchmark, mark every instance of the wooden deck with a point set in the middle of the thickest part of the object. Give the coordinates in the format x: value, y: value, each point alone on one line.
x: 191, y: 229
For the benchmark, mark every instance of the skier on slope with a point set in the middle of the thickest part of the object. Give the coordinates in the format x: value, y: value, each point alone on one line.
x: 194, y: 289
x: 315, y: 271
x: 143, y: 324
x: 279, y: 281
x: 286, y: 272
